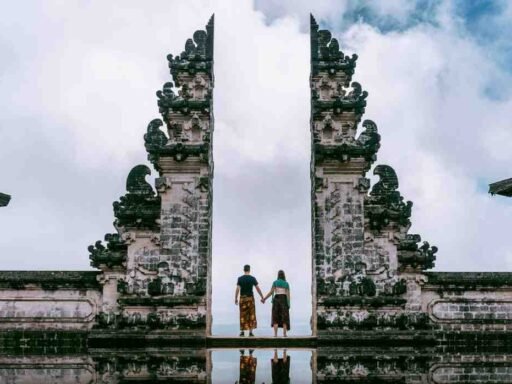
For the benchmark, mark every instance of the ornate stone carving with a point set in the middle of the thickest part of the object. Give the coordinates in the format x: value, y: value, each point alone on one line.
x: 111, y: 256
x: 411, y: 255
x: 326, y: 54
x: 371, y: 319
x: 189, y: 139
x: 185, y: 102
x: 346, y: 147
x: 385, y: 205
x: 187, y: 108
x: 155, y: 138
x: 357, y: 238
x: 352, y: 101
x: 197, y: 56
x: 140, y: 207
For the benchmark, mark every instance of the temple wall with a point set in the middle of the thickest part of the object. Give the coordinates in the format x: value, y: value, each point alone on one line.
x: 185, y: 366
x: 34, y: 308
x: 468, y: 301
x: 370, y: 365
x: 49, y: 300
x: 411, y: 367
x: 43, y: 369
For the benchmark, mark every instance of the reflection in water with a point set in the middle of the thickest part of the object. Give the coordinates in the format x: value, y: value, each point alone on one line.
x: 428, y: 365
x: 248, y: 364
x: 261, y: 366
x: 280, y: 368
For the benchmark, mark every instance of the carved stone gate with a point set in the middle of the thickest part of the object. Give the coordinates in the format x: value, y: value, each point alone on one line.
x: 154, y: 277
x: 159, y: 261
x: 368, y: 270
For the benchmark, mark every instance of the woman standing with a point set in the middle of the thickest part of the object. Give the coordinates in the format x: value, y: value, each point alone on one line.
x: 280, y: 293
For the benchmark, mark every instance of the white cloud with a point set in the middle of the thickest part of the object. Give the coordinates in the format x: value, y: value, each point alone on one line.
x: 441, y: 133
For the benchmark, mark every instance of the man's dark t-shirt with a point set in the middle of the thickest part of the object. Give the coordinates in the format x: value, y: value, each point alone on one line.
x: 246, y: 282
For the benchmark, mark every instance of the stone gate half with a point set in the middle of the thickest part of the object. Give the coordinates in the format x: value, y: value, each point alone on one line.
x: 368, y: 270
x: 155, y: 269
x: 158, y: 263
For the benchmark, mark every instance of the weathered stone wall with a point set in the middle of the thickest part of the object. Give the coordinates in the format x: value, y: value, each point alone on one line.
x: 468, y: 301
x: 187, y: 366
x: 49, y: 300
x: 44, y: 369
x: 407, y: 365
x: 328, y: 365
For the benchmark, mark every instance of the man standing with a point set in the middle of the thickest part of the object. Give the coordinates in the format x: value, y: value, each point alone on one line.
x: 247, y: 308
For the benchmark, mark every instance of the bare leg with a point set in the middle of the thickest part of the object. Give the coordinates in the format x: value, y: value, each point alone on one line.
x: 275, y: 330
x: 284, y: 330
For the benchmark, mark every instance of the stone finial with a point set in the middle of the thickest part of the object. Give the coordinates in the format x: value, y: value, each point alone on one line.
x: 111, y: 256
x: 413, y: 256
x: 326, y: 54
x: 4, y: 199
x: 185, y: 104
x: 140, y: 207
x: 136, y: 182
x: 155, y: 137
x: 385, y: 205
x: 197, y: 56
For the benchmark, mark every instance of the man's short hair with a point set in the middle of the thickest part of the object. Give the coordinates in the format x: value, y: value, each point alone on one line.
x: 247, y: 268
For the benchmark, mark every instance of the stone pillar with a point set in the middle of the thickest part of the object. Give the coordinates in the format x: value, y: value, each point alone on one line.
x: 185, y: 163
x: 360, y: 241
x: 338, y: 164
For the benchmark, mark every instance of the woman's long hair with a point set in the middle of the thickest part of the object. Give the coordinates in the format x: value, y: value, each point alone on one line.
x: 281, y: 275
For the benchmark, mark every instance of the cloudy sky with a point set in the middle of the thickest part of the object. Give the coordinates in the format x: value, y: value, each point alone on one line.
x: 77, y: 89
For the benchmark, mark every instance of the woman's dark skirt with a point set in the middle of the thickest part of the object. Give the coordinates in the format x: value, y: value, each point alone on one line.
x: 280, y: 311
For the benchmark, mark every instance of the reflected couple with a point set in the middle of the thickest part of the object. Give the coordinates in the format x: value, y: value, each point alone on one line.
x: 244, y: 297
x: 280, y: 368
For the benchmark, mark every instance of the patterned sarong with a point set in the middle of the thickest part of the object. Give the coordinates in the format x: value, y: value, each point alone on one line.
x: 247, y: 370
x: 247, y: 313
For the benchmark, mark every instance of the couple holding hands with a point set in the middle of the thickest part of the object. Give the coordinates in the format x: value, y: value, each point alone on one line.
x: 244, y: 297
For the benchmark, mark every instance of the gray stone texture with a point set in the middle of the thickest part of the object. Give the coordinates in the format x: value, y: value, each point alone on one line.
x: 368, y: 271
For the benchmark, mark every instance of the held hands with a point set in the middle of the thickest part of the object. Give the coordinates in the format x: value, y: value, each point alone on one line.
x: 262, y: 300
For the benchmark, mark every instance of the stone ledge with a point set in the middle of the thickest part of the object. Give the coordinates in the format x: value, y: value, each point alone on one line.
x: 261, y: 342
x: 171, y: 301
x: 470, y: 279
x: 135, y: 339
x: 356, y: 301
x: 392, y: 338
x: 42, y: 342
x: 49, y: 280
x: 65, y: 342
